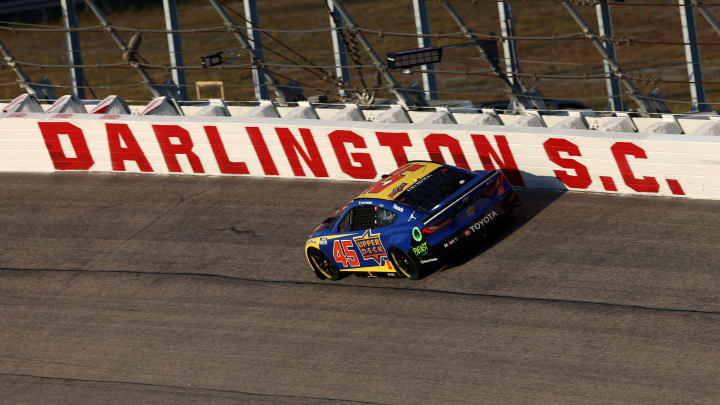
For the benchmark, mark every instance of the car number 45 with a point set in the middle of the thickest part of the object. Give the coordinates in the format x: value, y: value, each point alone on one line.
x: 344, y: 253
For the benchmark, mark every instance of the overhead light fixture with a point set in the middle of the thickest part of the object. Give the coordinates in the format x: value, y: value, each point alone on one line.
x: 212, y: 60
x: 414, y: 57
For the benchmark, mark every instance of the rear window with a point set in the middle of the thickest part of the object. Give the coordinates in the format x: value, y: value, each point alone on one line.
x: 430, y: 190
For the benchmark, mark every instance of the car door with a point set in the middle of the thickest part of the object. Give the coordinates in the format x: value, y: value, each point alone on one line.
x: 360, y: 245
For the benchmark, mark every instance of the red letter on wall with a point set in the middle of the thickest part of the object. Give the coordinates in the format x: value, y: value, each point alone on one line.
x: 397, y: 142
x: 51, y: 131
x: 262, y: 151
x: 621, y: 150
x: 366, y: 168
x: 553, y: 147
x: 292, y: 148
x: 132, y: 151
x: 507, y: 164
x: 221, y: 156
x: 434, y: 142
x: 170, y: 150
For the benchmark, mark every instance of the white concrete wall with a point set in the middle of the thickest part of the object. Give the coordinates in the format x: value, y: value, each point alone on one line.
x: 628, y: 163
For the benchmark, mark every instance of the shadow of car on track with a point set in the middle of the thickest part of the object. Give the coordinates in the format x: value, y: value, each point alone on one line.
x: 533, y: 200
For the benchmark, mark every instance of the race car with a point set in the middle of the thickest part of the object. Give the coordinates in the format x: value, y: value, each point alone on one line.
x: 410, y: 221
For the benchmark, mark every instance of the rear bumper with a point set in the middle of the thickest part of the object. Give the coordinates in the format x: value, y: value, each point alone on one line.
x: 477, y: 228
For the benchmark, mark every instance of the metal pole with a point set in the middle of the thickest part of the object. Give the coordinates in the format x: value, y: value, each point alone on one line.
x: 507, y: 29
x: 74, y: 54
x: 175, y: 46
x: 255, y: 40
x: 515, y: 91
x: 341, y: 60
x: 393, y: 86
x: 23, y: 79
x: 422, y: 27
x: 708, y: 16
x: 633, y: 92
x: 692, y: 57
x: 605, y: 30
x: 257, y: 63
x: 147, y: 81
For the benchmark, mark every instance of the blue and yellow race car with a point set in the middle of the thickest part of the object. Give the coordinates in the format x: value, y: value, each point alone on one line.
x: 410, y: 221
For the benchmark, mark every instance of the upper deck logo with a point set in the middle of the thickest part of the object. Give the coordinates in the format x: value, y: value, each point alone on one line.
x: 371, y: 247
x: 397, y: 190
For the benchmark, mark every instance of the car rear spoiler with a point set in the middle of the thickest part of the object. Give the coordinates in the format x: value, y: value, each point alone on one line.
x: 432, y: 216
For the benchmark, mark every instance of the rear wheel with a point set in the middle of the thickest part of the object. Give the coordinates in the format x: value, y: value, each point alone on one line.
x: 404, y: 264
x: 322, y: 265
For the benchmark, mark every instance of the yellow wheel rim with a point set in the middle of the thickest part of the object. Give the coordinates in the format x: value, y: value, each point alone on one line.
x: 399, y: 266
x: 314, y: 259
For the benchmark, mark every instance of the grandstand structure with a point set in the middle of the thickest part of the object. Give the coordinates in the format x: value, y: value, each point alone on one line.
x: 480, y: 72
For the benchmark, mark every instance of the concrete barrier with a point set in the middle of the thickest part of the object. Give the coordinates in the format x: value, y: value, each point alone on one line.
x: 584, y: 160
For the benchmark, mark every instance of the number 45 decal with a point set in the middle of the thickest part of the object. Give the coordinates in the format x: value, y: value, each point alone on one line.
x: 344, y: 253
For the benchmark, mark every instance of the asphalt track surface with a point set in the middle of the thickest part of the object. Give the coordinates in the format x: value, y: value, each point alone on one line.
x: 185, y: 290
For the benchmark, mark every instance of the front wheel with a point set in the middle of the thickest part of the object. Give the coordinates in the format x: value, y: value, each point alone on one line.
x: 323, y: 266
x: 404, y: 264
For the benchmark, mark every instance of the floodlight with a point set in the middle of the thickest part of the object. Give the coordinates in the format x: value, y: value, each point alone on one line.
x: 414, y: 57
x: 212, y: 60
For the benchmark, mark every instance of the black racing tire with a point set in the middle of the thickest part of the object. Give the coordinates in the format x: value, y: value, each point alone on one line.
x: 405, y: 265
x: 323, y: 266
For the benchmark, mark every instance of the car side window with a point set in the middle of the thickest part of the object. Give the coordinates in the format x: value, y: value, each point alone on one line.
x: 363, y: 217
x: 385, y: 217
x: 344, y: 224
x: 366, y: 217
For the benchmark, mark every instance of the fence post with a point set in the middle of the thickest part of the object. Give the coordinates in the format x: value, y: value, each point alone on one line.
x: 515, y: 90
x: 644, y: 106
x: 422, y: 27
x: 147, y: 80
x: 507, y: 29
x: 264, y: 75
x: 708, y: 16
x: 74, y: 54
x: 339, y: 51
x: 23, y: 79
x: 692, y: 57
x: 392, y: 84
x: 252, y: 23
x: 175, y: 47
x: 605, y: 30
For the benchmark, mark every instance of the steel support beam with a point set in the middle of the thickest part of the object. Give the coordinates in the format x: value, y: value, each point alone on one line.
x: 515, y: 91
x: 507, y: 30
x: 23, y: 79
x: 708, y: 16
x: 692, y: 57
x: 175, y: 47
x: 605, y: 30
x: 392, y: 85
x: 339, y: 51
x: 74, y: 53
x: 633, y: 92
x: 255, y: 61
x: 252, y: 22
x: 422, y: 27
x: 147, y: 81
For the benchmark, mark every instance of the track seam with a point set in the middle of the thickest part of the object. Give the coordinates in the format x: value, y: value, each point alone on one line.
x: 185, y: 388
x: 406, y: 289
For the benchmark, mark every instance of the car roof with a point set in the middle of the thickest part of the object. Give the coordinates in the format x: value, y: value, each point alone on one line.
x: 420, y: 168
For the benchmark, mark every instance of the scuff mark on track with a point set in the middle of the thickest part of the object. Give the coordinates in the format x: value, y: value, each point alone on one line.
x: 403, y: 289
